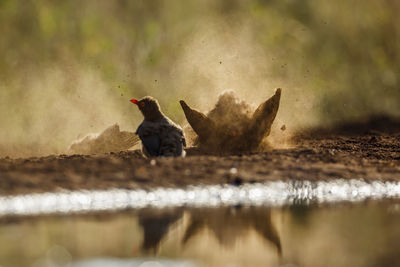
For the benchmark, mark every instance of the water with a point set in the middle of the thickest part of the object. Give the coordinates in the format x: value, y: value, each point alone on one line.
x: 275, y: 193
x: 298, y: 223
x: 363, y: 234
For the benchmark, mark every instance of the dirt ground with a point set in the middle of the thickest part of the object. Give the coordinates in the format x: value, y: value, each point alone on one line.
x: 369, y: 150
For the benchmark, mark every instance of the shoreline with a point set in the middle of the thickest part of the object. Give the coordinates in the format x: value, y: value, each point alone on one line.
x: 368, y: 157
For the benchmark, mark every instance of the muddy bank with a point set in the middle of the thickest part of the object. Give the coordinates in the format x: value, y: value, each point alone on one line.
x: 370, y: 155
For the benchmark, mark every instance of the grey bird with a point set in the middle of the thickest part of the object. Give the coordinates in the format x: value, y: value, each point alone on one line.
x: 160, y: 136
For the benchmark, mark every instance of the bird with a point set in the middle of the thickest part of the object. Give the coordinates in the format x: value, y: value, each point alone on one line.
x: 160, y: 136
x: 232, y: 125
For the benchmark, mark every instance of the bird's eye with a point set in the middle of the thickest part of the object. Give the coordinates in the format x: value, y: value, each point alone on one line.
x: 142, y: 104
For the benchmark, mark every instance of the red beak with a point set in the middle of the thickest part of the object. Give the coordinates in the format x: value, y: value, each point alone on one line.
x: 134, y: 101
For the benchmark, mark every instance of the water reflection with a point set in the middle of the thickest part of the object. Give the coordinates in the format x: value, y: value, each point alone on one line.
x: 342, y: 235
x: 229, y: 224
x: 226, y: 224
x: 156, y: 224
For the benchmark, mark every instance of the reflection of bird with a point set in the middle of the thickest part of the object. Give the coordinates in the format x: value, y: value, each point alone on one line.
x: 160, y: 136
x: 232, y: 125
x: 229, y: 224
x: 156, y: 224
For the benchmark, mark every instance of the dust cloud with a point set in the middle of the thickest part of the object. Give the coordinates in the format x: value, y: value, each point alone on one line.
x: 66, y: 74
x: 224, y: 62
x: 60, y: 106
x: 66, y: 101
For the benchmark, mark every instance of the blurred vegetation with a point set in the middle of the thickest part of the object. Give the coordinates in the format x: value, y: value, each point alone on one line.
x: 69, y: 67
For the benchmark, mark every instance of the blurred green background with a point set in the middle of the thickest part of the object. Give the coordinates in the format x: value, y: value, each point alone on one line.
x: 68, y: 68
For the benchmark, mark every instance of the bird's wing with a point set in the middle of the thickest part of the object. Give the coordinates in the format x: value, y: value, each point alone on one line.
x: 147, y: 128
x: 182, y: 137
x: 149, y: 135
x: 139, y: 129
x: 171, y: 140
x: 201, y: 124
x: 184, y: 141
x: 152, y: 145
x: 264, y: 116
x: 177, y: 131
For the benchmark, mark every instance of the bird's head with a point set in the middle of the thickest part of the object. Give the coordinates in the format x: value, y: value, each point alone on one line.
x: 149, y: 107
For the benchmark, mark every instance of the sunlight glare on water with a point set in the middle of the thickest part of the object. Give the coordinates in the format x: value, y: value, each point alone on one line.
x: 276, y: 193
